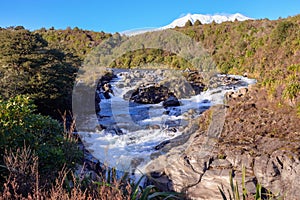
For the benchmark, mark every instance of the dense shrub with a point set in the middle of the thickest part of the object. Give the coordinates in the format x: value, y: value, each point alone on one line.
x: 20, y: 126
x: 28, y: 66
x: 74, y: 41
x: 267, y: 50
x: 24, y: 183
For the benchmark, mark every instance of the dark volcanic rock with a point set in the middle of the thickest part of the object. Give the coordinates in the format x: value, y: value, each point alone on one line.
x: 171, y: 101
x: 197, y: 82
x: 103, y: 87
x: 150, y: 94
x: 161, y: 145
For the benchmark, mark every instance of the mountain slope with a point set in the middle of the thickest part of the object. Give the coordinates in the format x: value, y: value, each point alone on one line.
x: 180, y: 22
x: 205, y: 19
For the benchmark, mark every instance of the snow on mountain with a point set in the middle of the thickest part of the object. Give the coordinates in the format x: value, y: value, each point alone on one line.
x: 180, y: 22
x: 133, y: 32
x: 205, y: 19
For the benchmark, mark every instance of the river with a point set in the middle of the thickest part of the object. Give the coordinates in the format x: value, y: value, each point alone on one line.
x: 132, y: 132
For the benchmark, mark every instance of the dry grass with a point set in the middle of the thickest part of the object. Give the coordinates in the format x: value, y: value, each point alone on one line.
x: 23, y: 173
x: 23, y: 182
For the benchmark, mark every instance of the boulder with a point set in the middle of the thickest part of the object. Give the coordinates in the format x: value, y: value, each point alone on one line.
x: 106, y: 94
x: 279, y: 172
x: 104, y: 89
x: 149, y: 94
x: 196, y: 80
x: 179, y: 87
x: 222, y: 80
x: 171, y: 101
x: 107, y: 90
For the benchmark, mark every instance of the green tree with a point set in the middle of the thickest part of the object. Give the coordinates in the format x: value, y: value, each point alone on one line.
x: 28, y: 66
x: 188, y: 23
x: 281, y: 32
x: 20, y: 126
x: 197, y: 23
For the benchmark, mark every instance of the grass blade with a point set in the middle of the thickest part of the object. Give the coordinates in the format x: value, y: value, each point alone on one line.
x: 237, y: 192
x: 135, y: 189
x: 147, y: 191
x: 164, y: 194
x: 222, y: 193
x: 258, y: 192
x: 230, y: 197
x: 243, y: 183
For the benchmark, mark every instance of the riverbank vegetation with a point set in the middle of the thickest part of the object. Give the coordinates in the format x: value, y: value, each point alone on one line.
x: 38, y: 70
x: 263, y: 49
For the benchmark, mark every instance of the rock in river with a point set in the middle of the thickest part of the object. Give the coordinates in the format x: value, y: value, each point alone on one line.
x: 150, y: 94
x: 171, y: 101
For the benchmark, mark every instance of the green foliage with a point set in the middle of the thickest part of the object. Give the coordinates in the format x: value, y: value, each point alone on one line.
x: 292, y: 90
x: 20, y: 126
x: 150, y: 192
x: 28, y: 66
x: 264, y: 49
x: 197, y: 23
x: 74, y: 41
x: 281, y: 31
x: 188, y: 23
x: 132, y: 190
x: 142, y: 57
x: 234, y: 194
x: 255, y: 47
x: 294, y: 68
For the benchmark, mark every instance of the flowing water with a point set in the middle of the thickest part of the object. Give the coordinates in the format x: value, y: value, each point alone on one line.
x: 133, y: 131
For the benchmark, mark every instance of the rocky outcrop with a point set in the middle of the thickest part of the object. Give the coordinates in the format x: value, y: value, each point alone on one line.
x: 222, y: 80
x: 157, y: 85
x: 171, y: 101
x: 150, y: 94
x: 197, y: 81
x: 241, y: 92
x: 279, y: 172
x: 249, y: 131
x: 104, y: 88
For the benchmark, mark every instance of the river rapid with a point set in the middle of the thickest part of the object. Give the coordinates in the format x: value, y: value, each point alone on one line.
x: 129, y: 133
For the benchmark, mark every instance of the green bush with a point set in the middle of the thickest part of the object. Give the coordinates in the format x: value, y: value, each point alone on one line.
x: 28, y: 66
x: 20, y: 126
x: 292, y: 89
x: 281, y: 32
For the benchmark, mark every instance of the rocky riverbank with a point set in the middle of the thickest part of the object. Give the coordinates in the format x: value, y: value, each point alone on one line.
x: 249, y: 130
x: 257, y: 134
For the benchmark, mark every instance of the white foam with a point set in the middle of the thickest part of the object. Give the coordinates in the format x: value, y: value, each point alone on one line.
x: 139, y: 138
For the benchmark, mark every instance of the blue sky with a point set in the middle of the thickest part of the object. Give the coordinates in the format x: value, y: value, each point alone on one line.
x: 117, y: 16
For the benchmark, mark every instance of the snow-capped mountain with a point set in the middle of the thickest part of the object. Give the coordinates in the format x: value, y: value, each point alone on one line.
x: 138, y: 31
x: 180, y: 22
x: 205, y: 19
